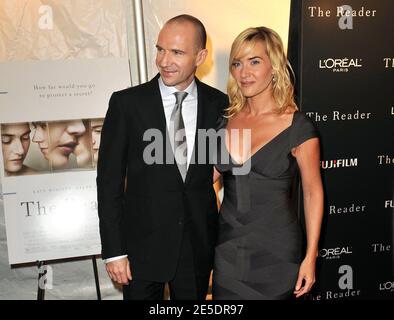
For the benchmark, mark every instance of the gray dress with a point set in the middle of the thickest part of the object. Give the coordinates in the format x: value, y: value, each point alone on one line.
x: 259, y: 245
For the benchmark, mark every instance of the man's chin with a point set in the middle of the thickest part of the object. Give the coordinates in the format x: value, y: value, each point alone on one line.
x: 168, y: 82
x: 168, y: 79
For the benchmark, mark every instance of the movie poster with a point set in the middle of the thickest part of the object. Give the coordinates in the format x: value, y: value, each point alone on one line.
x: 51, y: 118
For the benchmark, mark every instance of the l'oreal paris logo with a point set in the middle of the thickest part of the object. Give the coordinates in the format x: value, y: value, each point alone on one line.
x: 339, y: 163
x: 334, y: 253
x: 389, y: 286
x: 340, y: 65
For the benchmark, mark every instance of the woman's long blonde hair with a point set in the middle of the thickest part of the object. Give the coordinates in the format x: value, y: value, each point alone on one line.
x: 282, y: 87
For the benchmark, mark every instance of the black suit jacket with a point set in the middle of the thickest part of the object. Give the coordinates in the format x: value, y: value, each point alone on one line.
x: 146, y: 218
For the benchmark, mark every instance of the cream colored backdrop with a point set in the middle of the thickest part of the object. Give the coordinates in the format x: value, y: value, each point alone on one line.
x: 223, y: 19
x: 61, y: 29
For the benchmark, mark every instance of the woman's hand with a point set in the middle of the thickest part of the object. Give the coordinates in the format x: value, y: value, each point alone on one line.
x: 306, y: 277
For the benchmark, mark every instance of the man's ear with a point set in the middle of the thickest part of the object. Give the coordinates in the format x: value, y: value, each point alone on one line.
x: 201, y: 56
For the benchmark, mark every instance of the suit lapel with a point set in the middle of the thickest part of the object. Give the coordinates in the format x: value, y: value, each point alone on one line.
x: 156, y: 114
x: 157, y: 119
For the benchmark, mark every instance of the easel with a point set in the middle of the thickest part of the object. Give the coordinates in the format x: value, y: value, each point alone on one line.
x: 42, y: 282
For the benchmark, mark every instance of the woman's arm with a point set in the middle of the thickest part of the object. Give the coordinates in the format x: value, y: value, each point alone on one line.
x: 308, y: 159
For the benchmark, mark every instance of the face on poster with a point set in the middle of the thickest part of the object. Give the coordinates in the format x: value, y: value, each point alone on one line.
x: 30, y: 148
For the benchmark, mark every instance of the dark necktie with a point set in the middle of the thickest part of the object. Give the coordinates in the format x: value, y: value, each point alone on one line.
x: 178, y: 134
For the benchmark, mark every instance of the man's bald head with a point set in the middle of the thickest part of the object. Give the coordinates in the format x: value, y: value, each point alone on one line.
x: 201, y: 34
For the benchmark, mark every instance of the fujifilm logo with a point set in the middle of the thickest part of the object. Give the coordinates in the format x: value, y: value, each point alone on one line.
x: 334, y: 253
x: 389, y: 204
x: 339, y: 65
x: 339, y: 163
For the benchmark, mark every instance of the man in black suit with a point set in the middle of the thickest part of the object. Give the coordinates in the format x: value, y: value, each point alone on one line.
x: 161, y: 226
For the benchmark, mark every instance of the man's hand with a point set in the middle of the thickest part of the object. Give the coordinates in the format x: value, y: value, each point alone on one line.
x: 119, y: 270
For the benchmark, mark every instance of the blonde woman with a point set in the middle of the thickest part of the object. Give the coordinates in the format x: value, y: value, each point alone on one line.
x: 259, y: 248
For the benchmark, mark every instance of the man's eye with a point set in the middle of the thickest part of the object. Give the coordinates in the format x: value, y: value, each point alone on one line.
x: 26, y: 137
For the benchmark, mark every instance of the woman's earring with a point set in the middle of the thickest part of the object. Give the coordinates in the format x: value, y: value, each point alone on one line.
x: 273, y: 78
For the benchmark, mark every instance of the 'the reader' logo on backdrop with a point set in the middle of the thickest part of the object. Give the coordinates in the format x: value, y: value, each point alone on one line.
x: 385, y: 160
x: 338, y: 115
x: 380, y: 248
x: 344, y: 13
x: 388, y: 62
x: 345, y: 210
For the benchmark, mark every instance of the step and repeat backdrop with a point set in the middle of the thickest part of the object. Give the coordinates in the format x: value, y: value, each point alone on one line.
x: 346, y: 88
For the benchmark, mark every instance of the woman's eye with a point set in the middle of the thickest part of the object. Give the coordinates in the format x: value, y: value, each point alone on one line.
x: 253, y: 62
x: 235, y: 64
x: 97, y: 129
x: 5, y: 139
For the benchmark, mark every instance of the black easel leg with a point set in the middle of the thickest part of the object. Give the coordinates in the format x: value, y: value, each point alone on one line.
x: 96, y: 279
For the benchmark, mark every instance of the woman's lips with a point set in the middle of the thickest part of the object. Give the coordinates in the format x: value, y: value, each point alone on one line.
x: 68, y: 147
x: 246, y: 83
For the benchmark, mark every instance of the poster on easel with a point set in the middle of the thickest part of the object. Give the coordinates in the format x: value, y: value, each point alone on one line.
x: 51, y: 117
